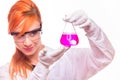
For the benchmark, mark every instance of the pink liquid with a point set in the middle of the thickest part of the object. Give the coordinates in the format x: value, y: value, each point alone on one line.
x: 69, y: 39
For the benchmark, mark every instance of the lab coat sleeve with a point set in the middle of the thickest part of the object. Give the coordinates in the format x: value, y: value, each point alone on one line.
x: 4, y: 74
x: 88, y: 61
x: 101, y: 53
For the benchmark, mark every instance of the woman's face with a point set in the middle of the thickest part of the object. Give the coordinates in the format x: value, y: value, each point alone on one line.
x: 30, y: 42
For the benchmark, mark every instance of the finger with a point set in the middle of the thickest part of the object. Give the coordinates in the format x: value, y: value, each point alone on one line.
x: 76, y: 16
x: 80, y: 20
x: 46, y: 60
x: 71, y: 18
x: 51, y: 57
x: 85, y: 24
x: 60, y: 51
x: 57, y: 54
x: 43, y: 52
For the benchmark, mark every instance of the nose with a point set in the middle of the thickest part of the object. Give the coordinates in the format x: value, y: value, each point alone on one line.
x: 27, y: 42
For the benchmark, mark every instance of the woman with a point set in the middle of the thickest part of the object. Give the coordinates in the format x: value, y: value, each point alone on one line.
x: 32, y: 59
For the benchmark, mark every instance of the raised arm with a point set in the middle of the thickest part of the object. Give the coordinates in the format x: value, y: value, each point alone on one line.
x: 89, y: 61
x: 102, y: 52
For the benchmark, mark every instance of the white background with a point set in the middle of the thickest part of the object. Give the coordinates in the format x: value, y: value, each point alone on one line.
x: 106, y: 13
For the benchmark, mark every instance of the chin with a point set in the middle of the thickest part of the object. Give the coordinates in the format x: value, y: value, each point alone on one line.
x: 29, y: 54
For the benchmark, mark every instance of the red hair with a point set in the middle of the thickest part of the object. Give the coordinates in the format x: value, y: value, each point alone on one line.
x: 21, y: 15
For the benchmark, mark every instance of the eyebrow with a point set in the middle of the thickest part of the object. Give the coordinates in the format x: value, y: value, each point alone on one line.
x: 35, y: 30
x: 32, y: 31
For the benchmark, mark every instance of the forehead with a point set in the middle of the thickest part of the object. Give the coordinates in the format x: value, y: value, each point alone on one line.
x: 33, y: 26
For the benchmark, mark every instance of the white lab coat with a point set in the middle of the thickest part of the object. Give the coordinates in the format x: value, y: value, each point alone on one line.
x: 76, y: 63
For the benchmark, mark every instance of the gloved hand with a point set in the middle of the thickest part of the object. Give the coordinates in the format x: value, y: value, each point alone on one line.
x: 48, y: 58
x: 79, y: 18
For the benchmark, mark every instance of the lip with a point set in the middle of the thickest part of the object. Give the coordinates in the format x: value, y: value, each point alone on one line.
x: 28, y: 49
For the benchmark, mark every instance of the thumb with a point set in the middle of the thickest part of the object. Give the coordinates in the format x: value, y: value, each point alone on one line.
x: 51, y: 57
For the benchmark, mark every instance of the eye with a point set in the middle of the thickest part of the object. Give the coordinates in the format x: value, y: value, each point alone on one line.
x: 33, y: 33
x: 20, y: 37
x: 14, y: 33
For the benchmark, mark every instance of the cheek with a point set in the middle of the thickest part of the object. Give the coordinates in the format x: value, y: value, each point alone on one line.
x: 19, y: 46
x: 37, y: 42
